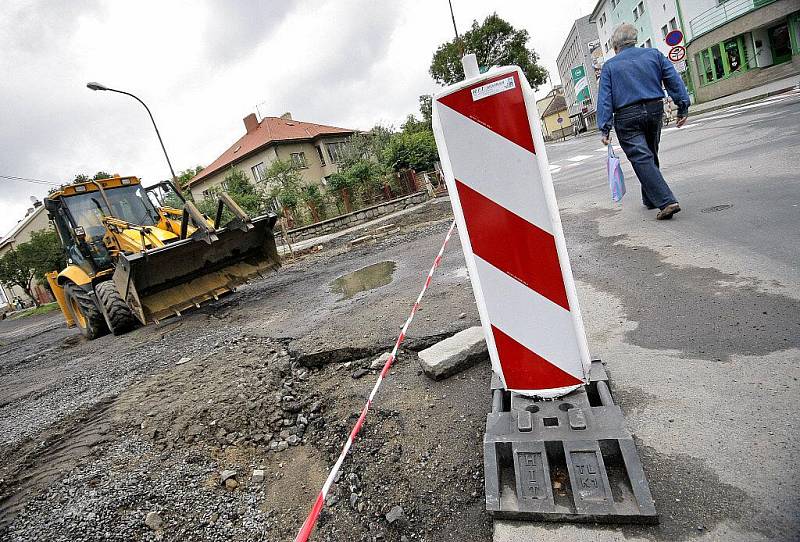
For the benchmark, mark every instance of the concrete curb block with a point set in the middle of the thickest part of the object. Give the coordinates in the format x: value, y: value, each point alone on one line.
x: 454, y: 354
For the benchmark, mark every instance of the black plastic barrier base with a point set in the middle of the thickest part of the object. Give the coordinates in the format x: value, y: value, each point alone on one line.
x: 566, y: 459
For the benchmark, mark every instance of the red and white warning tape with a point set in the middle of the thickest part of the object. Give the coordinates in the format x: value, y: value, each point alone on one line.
x: 311, y: 520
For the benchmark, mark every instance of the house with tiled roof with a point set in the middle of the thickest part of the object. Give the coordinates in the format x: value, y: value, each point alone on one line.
x: 313, y: 148
x: 554, y: 114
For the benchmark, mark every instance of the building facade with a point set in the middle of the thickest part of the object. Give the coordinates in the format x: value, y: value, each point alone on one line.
x: 313, y: 148
x: 737, y: 45
x: 654, y: 19
x: 574, y: 60
x: 35, y: 219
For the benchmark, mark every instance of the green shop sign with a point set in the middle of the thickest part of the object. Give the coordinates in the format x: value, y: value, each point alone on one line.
x: 581, y: 84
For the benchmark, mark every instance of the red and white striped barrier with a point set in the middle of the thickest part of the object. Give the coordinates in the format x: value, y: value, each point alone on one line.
x: 311, y: 520
x: 492, y: 152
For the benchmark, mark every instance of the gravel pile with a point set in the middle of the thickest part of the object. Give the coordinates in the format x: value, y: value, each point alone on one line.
x: 133, y: 492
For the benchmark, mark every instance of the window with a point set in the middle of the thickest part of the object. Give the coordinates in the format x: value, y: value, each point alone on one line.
x: 321, y: 155
x: 673, y: 24
x: 664, y: 31
x: 299, y: 159
x: 707, y: 68
x: 638, y: 11
x: 719, y: 69
x: 335, y: 151
x: 732, y: 54
x: 259, y: 172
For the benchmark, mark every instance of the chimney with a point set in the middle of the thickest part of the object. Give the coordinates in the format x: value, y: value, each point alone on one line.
x: 286, y: 116
x: 250, y: 122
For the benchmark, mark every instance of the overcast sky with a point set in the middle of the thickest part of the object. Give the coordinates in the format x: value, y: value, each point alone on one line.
x: 203, y: 65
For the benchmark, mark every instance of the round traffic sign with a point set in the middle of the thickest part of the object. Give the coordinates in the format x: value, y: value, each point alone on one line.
x: 677, y: 53
x: 674, y: 38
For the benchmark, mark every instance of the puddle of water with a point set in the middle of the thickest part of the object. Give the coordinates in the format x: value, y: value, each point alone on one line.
x: 367, y: 278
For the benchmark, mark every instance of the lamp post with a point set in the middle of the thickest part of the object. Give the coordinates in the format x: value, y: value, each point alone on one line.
x: 98, y: 86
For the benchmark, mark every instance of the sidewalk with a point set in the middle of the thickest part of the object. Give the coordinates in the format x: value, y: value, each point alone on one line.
x: 763, y: 91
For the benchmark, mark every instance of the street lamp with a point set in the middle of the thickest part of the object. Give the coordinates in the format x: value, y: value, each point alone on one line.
x: 98, y: 86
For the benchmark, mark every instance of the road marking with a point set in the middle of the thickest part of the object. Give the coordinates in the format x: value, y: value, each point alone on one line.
x: 554, y: 167
x: 716, y: 117
x: 579, y: 158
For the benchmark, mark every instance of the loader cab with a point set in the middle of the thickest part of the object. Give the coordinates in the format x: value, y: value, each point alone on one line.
x: 78, y: 210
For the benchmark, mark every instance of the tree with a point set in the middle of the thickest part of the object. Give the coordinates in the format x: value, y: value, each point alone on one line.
x: 101, y: 175
x: 426, y: 109
x: 31, y: 260
x: 365, y: 146
x: 187, y: 175
x: 240, y: 189
x: 413, y: 125
x: 495, y: 43
x: 282, y: 181
x: 342, y: 184
x: 412, y: 150
x: 312, y: 197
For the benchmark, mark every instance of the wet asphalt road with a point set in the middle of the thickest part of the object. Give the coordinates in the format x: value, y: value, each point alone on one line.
x: 698, y: 320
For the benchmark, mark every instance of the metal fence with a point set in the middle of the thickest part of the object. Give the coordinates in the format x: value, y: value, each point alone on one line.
x: 721, y: 14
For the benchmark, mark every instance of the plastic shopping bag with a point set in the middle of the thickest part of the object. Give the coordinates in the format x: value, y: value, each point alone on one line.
x: 616, y: 180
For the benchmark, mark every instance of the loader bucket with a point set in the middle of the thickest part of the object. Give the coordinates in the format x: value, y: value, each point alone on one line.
x: 168, y: 280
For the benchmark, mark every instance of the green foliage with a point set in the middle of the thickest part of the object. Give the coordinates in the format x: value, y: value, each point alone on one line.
x: 240, y: 189
x: 187, y: 175
x: 41, y: 309
x: 101, y: 175
x: 412, y: 150
x: 495, y: 43
x: 339, y: 181
x: 283, y: 181
x: 311, y: 194
x: 80, y: 178
x: 426, y: 109
x: 362, y: 146
x: 413, y: 125
x: 31, y: 260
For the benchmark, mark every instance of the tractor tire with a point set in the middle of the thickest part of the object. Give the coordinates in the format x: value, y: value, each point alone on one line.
x: 120, y: 318
x: 85, y: 312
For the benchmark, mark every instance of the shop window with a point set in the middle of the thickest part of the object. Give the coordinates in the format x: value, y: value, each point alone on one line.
x: 733, y: 54
x: 707, y: 69
x: 719, y: 67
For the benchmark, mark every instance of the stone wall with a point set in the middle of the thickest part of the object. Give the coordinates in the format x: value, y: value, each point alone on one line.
x: 356, y: 217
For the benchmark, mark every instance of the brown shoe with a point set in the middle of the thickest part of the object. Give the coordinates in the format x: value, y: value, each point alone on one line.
x: 667, y: 212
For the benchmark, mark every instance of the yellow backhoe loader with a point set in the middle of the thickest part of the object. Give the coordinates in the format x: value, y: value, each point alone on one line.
x: 134, y: 258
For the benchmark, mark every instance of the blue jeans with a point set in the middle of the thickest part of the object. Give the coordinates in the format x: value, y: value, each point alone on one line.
x: 638, y: 128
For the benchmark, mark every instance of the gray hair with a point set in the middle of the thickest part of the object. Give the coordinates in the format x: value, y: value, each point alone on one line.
x: 625, y: 35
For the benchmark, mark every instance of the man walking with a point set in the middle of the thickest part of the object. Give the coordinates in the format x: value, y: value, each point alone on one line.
x: 631, y: 91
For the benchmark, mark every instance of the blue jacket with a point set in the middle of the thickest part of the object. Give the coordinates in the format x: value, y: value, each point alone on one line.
x: 636, y: 74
